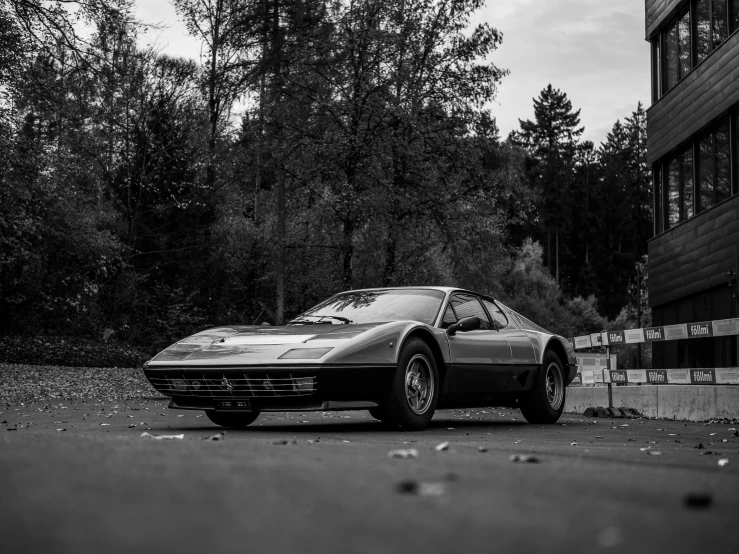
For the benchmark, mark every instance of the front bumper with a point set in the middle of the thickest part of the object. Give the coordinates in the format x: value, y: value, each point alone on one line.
x: 272, y: 388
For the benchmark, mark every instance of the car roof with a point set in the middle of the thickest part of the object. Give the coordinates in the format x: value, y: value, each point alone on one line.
x: 441, y: 289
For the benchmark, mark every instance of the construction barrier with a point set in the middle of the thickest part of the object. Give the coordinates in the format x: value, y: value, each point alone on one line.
x: 593, y: 368
x: 682, y: 376
x: 698, y: 330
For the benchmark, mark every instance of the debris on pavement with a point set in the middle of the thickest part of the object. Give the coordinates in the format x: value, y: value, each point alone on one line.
x: 700, y: 446
x: 403, y: 453
x: 698, y: 500
x: 482, y: 449
x: 442, y: 446
x: 420, y: 489
x: 216, y: 437
x: 162, y: 437
x: 654, y: 453
x: 722, y: 462
x: 280, y: 442
x: 524, y: 458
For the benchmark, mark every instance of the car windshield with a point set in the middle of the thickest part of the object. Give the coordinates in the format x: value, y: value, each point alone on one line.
x: 372, y: 306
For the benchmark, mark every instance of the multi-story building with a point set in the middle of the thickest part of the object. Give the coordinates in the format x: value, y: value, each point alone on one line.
x: 693, y: 146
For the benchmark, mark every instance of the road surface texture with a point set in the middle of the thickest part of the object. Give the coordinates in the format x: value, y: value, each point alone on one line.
x: 78, y: 477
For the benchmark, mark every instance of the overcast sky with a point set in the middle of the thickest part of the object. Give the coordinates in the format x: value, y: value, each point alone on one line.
x: 594, y: 50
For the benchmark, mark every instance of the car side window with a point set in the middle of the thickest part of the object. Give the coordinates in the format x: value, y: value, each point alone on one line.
x: 466, y: 305
x: 449, y: 317
x: 499, y: 318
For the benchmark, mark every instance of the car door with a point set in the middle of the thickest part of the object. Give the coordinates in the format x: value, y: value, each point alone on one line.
x: 476, y: 356
x: 522, y: 351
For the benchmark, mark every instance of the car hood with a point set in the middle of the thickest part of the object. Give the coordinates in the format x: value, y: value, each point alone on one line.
x: 255, y: 344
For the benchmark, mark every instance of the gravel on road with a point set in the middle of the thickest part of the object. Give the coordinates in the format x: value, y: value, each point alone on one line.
x: 34, y: 383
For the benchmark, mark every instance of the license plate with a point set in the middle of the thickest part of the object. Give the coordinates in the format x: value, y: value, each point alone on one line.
x: 238, y: 405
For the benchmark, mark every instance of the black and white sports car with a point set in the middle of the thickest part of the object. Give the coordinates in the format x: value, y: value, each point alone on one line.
x: 400, y: 353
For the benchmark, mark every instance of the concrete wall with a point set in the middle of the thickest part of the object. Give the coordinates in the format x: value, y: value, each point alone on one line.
x: 688, y: 402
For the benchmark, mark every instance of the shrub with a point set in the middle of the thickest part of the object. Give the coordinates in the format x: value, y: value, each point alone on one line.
x: 69, y: 351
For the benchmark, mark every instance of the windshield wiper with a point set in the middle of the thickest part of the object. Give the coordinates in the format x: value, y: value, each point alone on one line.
x: 339, y: 318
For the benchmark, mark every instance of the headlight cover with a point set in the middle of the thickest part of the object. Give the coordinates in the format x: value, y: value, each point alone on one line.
x: 305, y: 353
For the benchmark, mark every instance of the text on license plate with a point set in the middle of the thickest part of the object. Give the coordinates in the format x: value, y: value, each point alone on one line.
x: 233, y: 405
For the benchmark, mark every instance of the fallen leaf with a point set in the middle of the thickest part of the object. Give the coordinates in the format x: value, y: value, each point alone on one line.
x: 162, y: 437
x: 723, y: 461
x: 280, y: 442
x: 699, y: 446
x: 420, y: 489
x: 654, y: 453
x: 698, y: 500
x: 442, y: 446
x: 216, y: 437
x: 403, y: 453
x: 524, y: 458
x: 482, y: 449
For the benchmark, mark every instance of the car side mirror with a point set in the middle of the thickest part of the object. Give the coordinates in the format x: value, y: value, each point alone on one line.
x: 464, y: 324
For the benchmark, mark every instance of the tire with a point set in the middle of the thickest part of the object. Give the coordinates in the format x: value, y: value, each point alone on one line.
x: 232, y: 420
x: 414, y: 391
x: 545, y: 403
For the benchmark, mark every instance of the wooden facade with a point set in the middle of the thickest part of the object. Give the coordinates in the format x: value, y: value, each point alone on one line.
x: 706, y: 94
x: 657, y: 11
x: 696, y: 255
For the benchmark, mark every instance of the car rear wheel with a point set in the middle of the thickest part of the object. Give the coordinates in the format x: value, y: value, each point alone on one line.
x: 232, y: 420
x: 414, y: 392
x: 545, y: 403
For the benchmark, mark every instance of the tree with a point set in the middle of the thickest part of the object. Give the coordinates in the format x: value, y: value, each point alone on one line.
x: 552, y: 138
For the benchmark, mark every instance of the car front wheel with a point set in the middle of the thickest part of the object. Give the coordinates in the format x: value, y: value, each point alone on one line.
x: 414, y: 392
x: 545, y: 403
x: 232, y: 420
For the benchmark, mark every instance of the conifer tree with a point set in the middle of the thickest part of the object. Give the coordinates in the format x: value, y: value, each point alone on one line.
x: 552, y: 139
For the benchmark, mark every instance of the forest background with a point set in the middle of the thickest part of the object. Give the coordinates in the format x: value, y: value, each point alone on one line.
x: 136, y: 207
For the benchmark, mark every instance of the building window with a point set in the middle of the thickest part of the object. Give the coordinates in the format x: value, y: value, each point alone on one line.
x: 679, y: 188
x: 714, y: 166
x: 689, y: 38
x: 658, y: 193
x: 712, y: 25
x: 676, y: 63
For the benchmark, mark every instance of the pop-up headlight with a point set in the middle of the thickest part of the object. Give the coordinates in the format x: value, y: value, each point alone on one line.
x: 304, y: 353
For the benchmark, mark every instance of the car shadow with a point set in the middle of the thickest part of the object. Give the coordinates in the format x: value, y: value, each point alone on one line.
x: 365, y: 426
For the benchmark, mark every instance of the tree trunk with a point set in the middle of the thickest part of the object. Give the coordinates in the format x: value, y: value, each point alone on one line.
x: 638, y: 313
x: 556, y: 232
x: 388, y: 273
x: 280, y: 261
x: 348, y: 253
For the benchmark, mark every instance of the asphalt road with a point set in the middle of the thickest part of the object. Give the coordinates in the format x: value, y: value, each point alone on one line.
x: 323, y: 482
